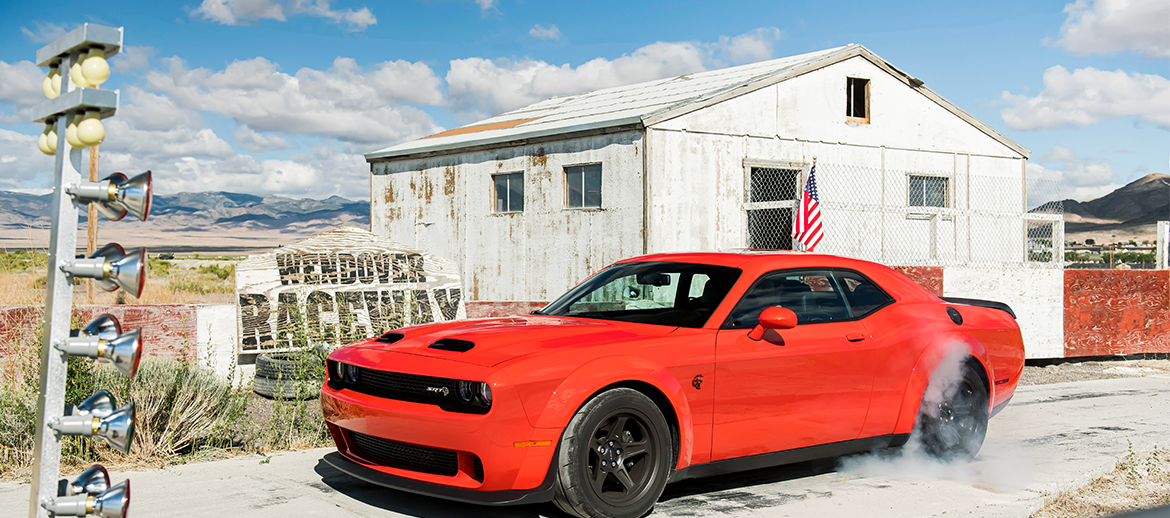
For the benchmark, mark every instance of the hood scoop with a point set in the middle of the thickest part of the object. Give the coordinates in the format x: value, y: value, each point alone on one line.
x: 390, y: 338
x: 452, y: 344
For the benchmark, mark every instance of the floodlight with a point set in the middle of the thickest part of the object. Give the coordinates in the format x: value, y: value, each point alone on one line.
x: 71, y: 132
x: 47, y: 86
x: 112, y: 503
x: 117, y: 429
x: 91, y: 131
x: 124, y: 350
x: 111, y: 267
x: 94, y: 68
x: 105, y: 327
x: 93, y: 481
x: 99, y: 405
x: 76, y: 75
x: 47, y: 142
x: 116, y: 195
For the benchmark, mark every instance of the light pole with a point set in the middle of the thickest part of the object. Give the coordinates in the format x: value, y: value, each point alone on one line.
x: 73, y: 121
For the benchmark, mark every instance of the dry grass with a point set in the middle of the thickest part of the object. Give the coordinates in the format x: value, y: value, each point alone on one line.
x: 22, y: 282
x: 1139, y: 481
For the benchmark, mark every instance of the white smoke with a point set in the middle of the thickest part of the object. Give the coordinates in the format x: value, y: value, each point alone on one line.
x: 998, y: 465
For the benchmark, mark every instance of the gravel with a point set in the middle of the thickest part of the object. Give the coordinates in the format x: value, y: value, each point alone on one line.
x: 1084, y: 371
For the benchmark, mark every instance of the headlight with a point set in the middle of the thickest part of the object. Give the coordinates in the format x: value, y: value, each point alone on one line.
x: 339, y: 371
x: 351, y: 374
x: 466, y: 391
x: 485, y: 394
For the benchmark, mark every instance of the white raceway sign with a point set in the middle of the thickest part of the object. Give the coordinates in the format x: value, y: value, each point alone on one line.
x: 338, y: 287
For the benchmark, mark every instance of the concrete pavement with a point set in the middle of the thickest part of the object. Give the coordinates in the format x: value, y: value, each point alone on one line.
x: 1050, y: 437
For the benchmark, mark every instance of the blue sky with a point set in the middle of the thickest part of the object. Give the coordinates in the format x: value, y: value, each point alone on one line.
x: 283, y: 97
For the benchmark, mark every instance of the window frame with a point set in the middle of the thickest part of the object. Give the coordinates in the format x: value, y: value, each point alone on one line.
x: 747, y: 205
x: 849, y: 83
x: 728, y: 323
x: 600, y: 186
x: 495, y: 195
x: 949, y: 198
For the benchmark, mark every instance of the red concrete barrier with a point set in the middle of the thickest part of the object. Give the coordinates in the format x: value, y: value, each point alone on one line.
x: 1109, y: 312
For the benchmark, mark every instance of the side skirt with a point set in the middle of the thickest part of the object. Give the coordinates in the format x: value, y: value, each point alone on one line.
x: 780, y: 458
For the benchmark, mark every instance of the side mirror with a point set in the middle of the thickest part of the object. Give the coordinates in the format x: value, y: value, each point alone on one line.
x: 774, y: 317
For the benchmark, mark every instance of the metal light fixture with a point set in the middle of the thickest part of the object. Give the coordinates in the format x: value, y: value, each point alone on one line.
x: 117, y: 429
x: 112, y: 503
x: 99, y: 405
x: 93, y: 481
x: 116, y: 195
x: 102, y: 338
x: 111, y: 267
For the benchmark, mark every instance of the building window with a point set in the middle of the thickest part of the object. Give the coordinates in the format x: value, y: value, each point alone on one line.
x: 770, y: 199
x: 929, y: 191
x: 583, y: 186
x: 509, y: 190
x: 857, y: 100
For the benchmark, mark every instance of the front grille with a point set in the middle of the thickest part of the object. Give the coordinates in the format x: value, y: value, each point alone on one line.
x: 407, y: 387
x: 406, y: 456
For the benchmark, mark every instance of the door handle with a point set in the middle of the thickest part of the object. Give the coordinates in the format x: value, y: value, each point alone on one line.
x: 855, y: 337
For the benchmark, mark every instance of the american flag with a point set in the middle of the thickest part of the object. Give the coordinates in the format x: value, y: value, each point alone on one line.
x: 807, y: 226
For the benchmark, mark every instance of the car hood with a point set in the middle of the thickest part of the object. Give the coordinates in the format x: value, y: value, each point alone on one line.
x: 498, y: 340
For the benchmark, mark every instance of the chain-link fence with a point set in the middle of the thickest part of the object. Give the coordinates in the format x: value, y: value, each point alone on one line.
x: 910, y: 218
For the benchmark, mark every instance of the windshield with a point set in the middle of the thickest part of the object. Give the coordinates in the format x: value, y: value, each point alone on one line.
x: 669, y: 294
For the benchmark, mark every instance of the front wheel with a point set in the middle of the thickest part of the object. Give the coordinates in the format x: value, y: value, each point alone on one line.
x: 614, y: 457
x: 952, y: 419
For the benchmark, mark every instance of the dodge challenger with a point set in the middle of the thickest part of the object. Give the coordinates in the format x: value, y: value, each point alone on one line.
x: 666, y: 367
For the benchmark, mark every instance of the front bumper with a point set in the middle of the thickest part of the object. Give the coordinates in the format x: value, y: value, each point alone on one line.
x: 495, y: 465
x: 542, y: 493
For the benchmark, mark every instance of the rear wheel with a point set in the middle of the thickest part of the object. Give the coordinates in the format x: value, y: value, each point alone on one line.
x: 614, y: 457
x: 952, y: 420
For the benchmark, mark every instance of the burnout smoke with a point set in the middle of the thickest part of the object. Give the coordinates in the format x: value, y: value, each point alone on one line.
x: 997, y: 465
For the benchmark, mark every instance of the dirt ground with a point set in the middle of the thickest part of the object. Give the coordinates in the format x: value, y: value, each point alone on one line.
x: 1084, y: 371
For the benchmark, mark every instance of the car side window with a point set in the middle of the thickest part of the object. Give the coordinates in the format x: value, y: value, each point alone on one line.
x: 863, y: 295
x: 813, y: 295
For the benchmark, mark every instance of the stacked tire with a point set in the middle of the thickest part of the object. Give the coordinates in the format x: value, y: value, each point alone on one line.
x: 289, y: 375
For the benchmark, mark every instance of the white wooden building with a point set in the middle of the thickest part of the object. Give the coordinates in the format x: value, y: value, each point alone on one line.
x: 534, y: 200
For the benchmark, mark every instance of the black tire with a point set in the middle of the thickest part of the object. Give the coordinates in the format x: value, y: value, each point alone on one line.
x: 952, y: 419
x: 295, y: 365
x: 623, y: 428
x: 286, y: 388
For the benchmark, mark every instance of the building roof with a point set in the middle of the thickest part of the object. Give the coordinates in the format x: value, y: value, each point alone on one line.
x: 640, y: 105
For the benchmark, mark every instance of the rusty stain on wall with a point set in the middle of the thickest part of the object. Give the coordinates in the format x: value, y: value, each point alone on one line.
x: 449, y: 180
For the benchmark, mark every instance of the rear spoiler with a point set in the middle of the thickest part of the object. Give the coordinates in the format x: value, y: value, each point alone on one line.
x: 981, y: 303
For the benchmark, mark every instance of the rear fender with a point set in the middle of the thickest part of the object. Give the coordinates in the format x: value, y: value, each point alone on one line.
x: 939, y: 350
x: 590, y: 378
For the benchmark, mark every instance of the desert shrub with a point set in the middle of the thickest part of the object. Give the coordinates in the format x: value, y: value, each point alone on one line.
x: 23, y: 261
x: 223, y: 273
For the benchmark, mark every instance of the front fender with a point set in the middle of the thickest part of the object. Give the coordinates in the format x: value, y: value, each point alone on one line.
x: 950, y: 345
x: 597, y: 374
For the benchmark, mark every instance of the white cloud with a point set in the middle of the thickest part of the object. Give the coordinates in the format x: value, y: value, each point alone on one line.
x: 484, y: 5
x: 256, y: 142
x: 1045, y: 185
x: 541, y: 32
x: 1111, y: 26
x: 132, y: 59
x: 44, y: 32
x: 355, y: 21
x: 1057, y: 154
x: 21, y: 84
x: 30, y: 169
x: 239, y: 12
x: 345, y: 102
x: 477, y: 87
x: 1088, y: 96
x: 149, y: 111
x: 749, y: 47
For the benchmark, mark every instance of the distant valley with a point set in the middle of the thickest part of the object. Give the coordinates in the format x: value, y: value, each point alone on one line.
x: 206, y: 222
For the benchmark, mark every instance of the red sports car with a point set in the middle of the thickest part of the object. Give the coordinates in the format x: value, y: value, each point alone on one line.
x: 666, y: 367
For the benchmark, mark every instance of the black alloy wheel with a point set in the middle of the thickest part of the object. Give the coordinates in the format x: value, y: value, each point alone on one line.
x: 953, y: 424
x: 614, y: 457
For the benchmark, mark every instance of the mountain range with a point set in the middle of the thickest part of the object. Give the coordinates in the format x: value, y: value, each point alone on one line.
x: 1132, y: 211
x: 221, y: 222
x: 235, y: 223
